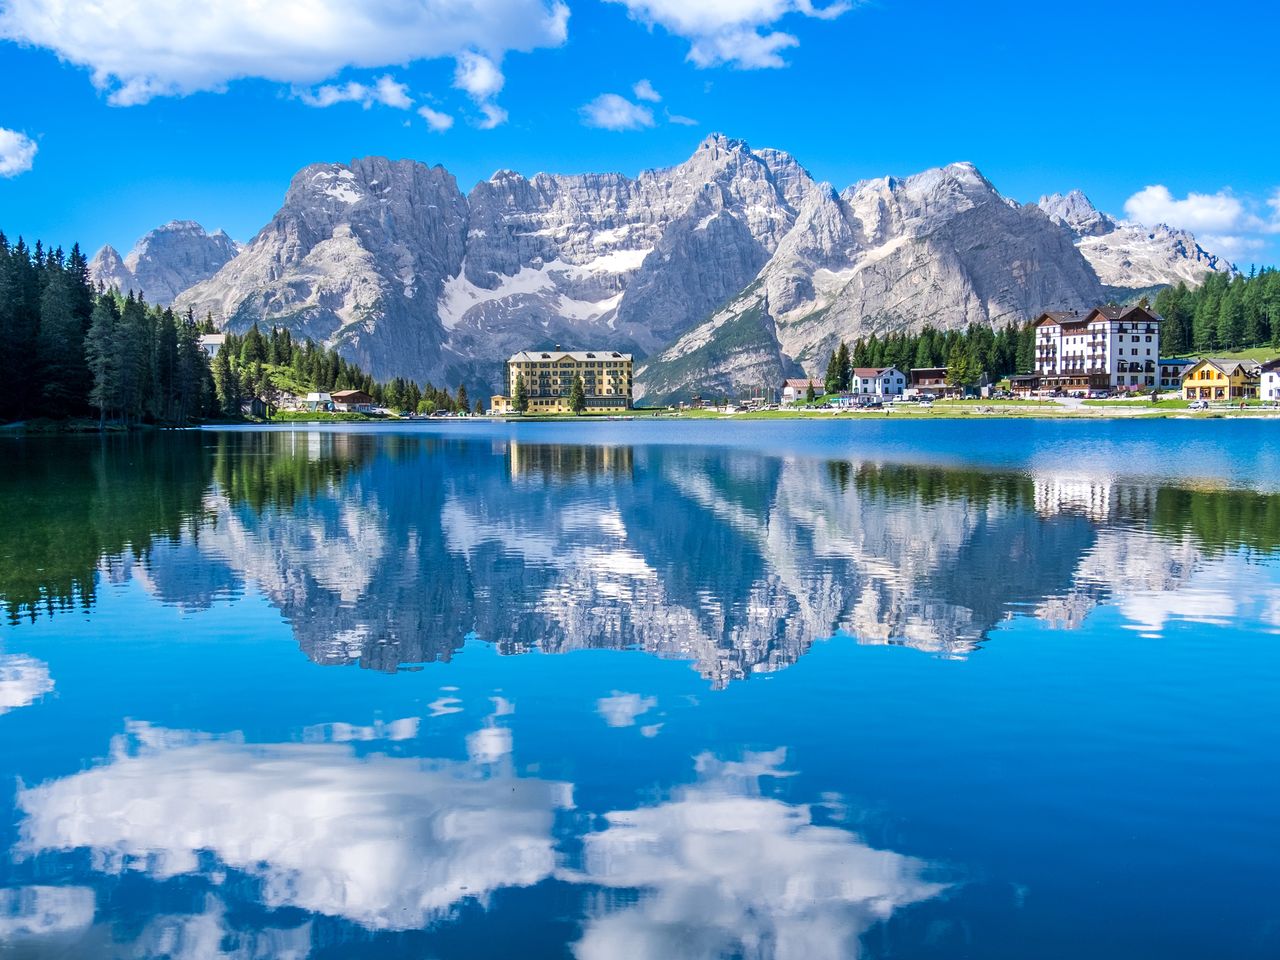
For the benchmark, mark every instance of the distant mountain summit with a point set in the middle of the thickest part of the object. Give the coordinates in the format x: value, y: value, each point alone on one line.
x: 734, y: 268
x: 165, y: 262
x: 1126, y: 254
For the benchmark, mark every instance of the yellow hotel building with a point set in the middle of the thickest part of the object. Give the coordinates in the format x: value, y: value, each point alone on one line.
x: 1222, y: 380
x: 549, y: 374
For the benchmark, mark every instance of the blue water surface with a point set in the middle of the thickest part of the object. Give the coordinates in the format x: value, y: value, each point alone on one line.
x: 643, y: 689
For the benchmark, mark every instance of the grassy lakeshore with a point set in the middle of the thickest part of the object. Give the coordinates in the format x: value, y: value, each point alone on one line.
x: 956, y: 410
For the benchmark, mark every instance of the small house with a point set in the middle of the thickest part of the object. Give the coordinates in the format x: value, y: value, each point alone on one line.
x: 352, y: 401
x: 211, y: 343
x: 882, y: 382
x: 1227, y: 380
x: 1024, y: 384
x: 1270, y: 388
x: 500, y: 405
x: 318, y: 403
x: 1171, y: 371
x: 796, y: 389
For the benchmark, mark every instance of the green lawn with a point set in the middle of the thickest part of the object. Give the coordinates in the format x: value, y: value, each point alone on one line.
x: 306, y: 416
x: 1173, y: 403
x: 1261, y: 354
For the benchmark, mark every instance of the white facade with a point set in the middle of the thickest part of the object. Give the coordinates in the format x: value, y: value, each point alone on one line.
x: 1108, y: 348
x: 793, y: 391
x: 211, y: 343
x: 1270, y: 389
x: 882, y: 382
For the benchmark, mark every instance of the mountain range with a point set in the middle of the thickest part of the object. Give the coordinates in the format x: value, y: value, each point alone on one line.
x: 733, y: 269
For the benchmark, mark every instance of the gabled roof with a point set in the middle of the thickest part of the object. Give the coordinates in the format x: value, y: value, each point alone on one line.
x: 579, y: 356
x: 1176, y: 361
x: 1059, y: 316
x: 1107, y: 312
x: 1270, y: 365
x: 868, y: 373
x: 1230, y: 368
x: 799, y: 383
x: 1112, y: 312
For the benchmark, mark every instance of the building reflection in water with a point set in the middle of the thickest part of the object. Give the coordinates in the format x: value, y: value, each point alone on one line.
x: 387, y: 551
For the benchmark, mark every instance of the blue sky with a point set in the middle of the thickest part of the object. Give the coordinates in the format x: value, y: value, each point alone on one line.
x: 141, y: 111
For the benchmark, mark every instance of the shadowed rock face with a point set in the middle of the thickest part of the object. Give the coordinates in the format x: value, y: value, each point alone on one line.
x: 730, y: 270
x: 165, y: 262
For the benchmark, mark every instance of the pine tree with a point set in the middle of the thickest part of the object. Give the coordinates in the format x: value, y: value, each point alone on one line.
x: 519, y: 397
x: 103, y: 362
x: 577, y: 396
x: 831, y: 381
x: 844, y: 365
x: 132, y: 359
x: 463, y: 404
x: 60, y: 349
x: 226, y: 383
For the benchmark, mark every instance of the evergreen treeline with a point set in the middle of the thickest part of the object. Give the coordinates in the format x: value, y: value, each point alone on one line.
x: 1221, y: 314
x: 246, y: 366
x: 967, y: 354
x: 66, y: 350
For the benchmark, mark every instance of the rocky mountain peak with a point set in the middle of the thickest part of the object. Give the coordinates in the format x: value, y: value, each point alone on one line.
x: 1077, y: 213
x: 165, y: 261
x: 734, y: 265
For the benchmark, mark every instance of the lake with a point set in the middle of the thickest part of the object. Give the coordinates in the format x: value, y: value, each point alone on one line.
x: 643, y: 690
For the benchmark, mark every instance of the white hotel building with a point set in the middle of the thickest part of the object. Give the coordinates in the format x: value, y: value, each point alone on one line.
x: 1108, y: 348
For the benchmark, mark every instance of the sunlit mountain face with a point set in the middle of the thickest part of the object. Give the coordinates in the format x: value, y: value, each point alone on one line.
x: 640, y: 690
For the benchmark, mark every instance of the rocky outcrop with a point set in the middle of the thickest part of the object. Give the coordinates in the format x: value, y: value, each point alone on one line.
x: 1128, y: 255
x: 722, y: 273
x: 165, y: 262
x: 356, y: 258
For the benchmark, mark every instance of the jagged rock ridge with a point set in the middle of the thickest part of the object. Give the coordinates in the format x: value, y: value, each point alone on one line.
x: 1129, y: 255
x: 165, y: 262
x: 732, y: 269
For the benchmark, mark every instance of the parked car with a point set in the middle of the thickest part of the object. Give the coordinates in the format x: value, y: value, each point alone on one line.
x: 1199, y: 405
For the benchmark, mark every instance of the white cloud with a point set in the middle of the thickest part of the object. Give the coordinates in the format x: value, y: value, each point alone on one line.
x: 139, y: 49
x: 1224, y: 223
x: 385, y: 90
x: 23, y: 679
x: 643, y: 90
x: 395, y: 731
x: 609, y: 111
x: 1196, y: 211
x: 209, y: 936
x: 480, y: 78
x: 30, y: 912
x: 390, y: 843
x: 735, y: 32
x: 681, y: 121
x: 1228, y: 245
x: 478, y: 75
x: 17, y: 152
x: 724, y: 870
x: 492, y: 116
x: 621, y: 709
x: 743, y: 48
x: 436, y: 120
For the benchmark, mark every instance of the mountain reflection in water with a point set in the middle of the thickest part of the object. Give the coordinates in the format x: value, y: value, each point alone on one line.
x: 1044, y: 723
x: 393, y: 550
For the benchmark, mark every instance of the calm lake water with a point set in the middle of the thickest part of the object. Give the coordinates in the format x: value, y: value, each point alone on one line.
x: 643, y: 690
